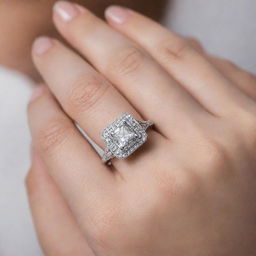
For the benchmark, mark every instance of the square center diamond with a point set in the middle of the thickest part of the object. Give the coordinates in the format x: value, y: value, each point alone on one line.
x: 124, y: 136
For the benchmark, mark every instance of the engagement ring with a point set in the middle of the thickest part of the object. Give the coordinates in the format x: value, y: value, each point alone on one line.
x: 124, y: 136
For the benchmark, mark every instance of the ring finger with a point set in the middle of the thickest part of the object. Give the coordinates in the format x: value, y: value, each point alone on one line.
x: 84, y: 94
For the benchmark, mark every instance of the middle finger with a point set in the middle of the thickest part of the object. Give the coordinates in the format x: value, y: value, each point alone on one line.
x: 146, y: 85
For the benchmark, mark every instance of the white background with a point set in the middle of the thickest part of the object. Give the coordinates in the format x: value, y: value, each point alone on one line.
x: 226, y: 27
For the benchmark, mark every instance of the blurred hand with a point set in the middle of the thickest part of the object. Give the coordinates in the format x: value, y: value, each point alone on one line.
x: 22, y: 21
x: 189, y: 191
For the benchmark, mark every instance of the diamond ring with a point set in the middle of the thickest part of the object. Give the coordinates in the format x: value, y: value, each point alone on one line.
x: 124, y: 136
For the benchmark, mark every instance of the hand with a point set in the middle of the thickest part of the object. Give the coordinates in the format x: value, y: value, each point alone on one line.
x: 189, y: 191
x: 23, y: 21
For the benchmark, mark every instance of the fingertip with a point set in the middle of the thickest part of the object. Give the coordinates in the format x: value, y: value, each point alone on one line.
x: 41, y: 45
x: 37, y: 92
x: 117, y: 14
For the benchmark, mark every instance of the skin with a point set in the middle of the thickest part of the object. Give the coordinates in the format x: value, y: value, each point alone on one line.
x: 24, y: 20
x: 189, y: 191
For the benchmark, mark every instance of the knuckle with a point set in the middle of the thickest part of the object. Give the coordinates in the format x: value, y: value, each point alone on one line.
x: 173, y: 186
x: 128, y: 61
x: 85, y: 93
x: 213, y: 155
x: 169, y: 185
x: 53, y: 135
x: 176, y: 51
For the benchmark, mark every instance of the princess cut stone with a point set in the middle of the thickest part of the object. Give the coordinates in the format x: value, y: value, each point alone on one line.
x: 124, y: 136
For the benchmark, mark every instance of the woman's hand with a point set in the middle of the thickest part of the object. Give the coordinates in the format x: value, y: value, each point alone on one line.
x: 189, y: 191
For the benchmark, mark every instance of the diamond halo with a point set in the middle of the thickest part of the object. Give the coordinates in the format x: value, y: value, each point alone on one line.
x: 124, y: 136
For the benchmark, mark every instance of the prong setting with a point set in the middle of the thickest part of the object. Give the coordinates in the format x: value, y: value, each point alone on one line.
x: 124, y: 136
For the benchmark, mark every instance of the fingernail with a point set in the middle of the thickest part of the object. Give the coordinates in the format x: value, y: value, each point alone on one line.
x: 65, y: 10
x: 42, y: 45
x: 117, y: 14
x: 38, y: 91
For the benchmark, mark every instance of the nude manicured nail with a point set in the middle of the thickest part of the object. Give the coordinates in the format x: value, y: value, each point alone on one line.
x: 117, y: 14
x: 42, y: 45
x: 65, y: 10
x: 38, y: 91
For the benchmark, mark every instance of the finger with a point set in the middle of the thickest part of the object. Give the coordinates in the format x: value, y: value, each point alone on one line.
x: 182, y: 61
x: 244, y: 80
x: 143, y: 82
x: 85, y: 95
x: 196, y: 45
x: 74, y: 165
x: 57, y: 230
